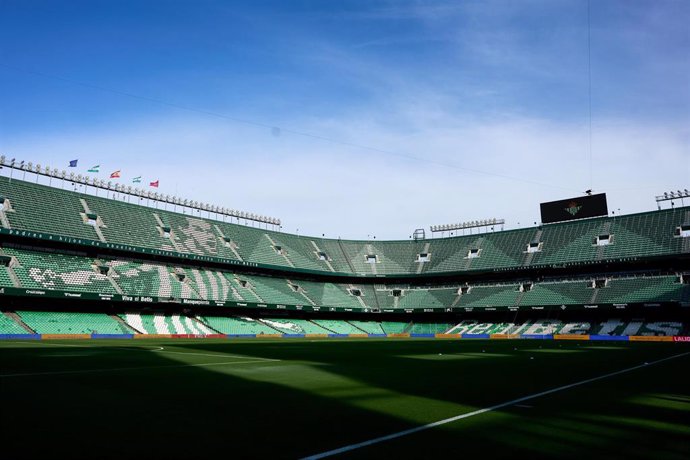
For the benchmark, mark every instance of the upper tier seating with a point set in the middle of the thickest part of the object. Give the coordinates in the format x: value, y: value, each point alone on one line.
x: 61, y: 212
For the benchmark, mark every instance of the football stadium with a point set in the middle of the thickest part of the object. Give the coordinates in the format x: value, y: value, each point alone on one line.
x: 281, y: 333
x: 140, y: 322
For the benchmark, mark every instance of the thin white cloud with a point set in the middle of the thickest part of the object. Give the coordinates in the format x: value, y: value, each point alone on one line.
x: 318, y: 187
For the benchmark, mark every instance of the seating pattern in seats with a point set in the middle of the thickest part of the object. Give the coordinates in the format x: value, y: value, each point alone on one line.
x: 611, y: 327
x: 295, y: 326
x: 145, y: 279
x: 69, y: 272
x: 59, y: 212
x: 165, y: 324
x: 44, y: 270
x: 44, y: 322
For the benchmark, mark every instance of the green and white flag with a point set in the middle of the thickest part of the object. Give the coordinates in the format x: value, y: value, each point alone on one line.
x: 94, y: 168
x: 136, y: 180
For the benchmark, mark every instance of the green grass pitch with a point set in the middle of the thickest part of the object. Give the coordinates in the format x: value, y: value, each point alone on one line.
x: 292, y: 398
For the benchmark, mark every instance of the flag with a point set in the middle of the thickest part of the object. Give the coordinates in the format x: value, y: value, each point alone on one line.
x: 136, y: 180
x: 73, y: 163
x: 154, y: 184
x: 115, y: 175
x: 94, y: 168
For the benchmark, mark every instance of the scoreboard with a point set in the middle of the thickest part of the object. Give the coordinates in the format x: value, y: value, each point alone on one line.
x: 574, y: 208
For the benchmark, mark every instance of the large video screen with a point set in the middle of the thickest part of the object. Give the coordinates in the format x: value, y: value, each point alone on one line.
x: 574, y: 208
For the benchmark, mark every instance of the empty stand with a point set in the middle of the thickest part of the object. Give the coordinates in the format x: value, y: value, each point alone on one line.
x: 72, y: 323
x: 61, y: 212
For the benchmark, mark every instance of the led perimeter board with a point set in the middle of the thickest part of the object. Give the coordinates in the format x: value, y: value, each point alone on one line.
x: 574, y: 208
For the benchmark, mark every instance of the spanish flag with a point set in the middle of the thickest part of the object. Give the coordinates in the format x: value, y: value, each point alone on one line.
x: 115, y: 175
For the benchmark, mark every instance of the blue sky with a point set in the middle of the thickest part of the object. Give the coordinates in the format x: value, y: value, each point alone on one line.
x: 393, y: 115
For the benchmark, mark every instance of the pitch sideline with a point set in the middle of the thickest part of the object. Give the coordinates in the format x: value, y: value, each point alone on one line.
x: 428, y: 426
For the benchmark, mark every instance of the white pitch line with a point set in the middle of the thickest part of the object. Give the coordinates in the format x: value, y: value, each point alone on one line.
x: 116, y: 369
x: 400, y: 434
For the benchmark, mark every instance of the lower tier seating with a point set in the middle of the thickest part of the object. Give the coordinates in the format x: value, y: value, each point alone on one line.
x: 44, y: 322
x: 72, y: 323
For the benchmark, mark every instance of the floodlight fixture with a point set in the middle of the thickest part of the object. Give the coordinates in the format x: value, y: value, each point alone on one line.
x: 466, y: 225
x: 673, y: 195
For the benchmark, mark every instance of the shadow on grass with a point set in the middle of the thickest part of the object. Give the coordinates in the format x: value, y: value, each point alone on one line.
x: 322, y: 395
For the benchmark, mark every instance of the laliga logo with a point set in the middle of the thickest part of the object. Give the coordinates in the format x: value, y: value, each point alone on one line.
x: 681, y: 339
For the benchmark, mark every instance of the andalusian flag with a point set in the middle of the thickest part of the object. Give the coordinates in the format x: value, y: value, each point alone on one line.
x: 94, y: 168
x: 136, y: 180
x: 115, y: 175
